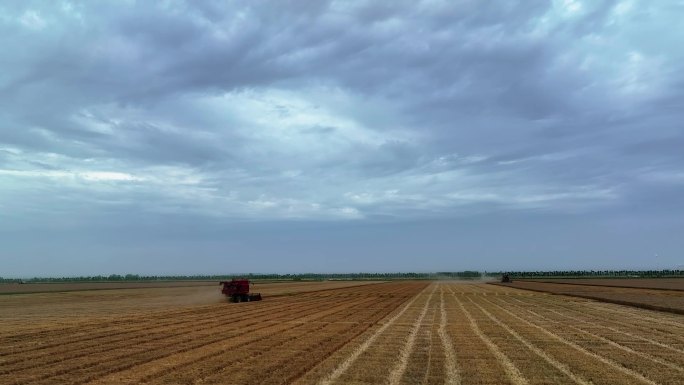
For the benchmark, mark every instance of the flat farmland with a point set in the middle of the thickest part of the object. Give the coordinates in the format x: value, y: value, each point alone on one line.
x: 389, y: 333
x: 484, y: 334
x: 655, y: 299
x: 638, y: 283
x: 53, y: 308
x: 269, y: 286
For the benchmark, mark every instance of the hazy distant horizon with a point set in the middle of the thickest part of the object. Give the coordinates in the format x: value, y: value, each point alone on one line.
x: 215, y: 137
x: 485, y: 275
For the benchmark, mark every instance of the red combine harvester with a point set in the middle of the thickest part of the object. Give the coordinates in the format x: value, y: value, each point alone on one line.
x: 237, y: 290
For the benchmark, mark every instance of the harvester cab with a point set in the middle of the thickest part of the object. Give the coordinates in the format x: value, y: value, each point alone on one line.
x: 237, y: 290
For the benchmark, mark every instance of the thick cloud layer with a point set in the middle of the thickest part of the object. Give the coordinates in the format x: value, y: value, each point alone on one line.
x: 184, y: 120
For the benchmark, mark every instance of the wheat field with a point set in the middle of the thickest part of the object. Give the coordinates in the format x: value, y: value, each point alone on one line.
x: 388, y: 333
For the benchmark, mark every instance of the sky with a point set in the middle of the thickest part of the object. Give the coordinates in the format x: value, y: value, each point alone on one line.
x: 216, y: 137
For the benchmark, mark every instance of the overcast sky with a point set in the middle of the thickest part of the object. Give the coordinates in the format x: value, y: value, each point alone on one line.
x: 170, y: 137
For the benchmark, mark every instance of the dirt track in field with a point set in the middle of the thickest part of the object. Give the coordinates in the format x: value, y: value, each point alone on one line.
x: 390, y: 333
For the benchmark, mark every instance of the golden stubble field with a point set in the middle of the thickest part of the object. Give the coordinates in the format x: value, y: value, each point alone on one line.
x: 389, y: 333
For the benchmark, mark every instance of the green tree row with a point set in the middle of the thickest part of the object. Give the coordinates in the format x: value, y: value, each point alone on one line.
x: 297, y: 277
x: 593, y: 274
x: 360, y: 276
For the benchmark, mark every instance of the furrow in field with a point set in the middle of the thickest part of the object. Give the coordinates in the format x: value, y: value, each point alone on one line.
x: 539, y: 352
x: 314, y: 371
x: 452, y: 375
x: 426, y: 362
x: 149, y: 349
x: 185, y: 361
x: 651, y: 332
x: 673, y: 320
x: 283, y: 368
x: 61, y: 337
x: 671, y: 360
x: 94, y: 325
x: 476, y: 364
x: 63, y: 346
x: 344, y: 366
x: 634, y: 318
x: 97, y: 347
x: 512, y: 371
x: 406, y: 350
x: 423, y: 359
x: 205, y: 371
x: 205, y: 354
x: 375, y: 364
x: 638, y: 315
x: 61, y: 342
x: 609, y: 363
x: 288, y: 360
x: 531, y: 359
x: 632, y: 336
x: 342, y: 342
x: 151, y: 316
x: 205, y: 362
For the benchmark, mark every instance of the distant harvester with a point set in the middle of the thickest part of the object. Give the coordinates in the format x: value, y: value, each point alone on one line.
x: 237, y: 290
x: 505, y: 278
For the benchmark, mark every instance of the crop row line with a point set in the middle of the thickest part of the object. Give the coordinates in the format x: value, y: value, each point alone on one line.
x: 603, y: 320
x: 579, y: 348
x: 293, y: 349
x: 351, y: 302
x: 405, y: 352
x: 344, y: 366
x: 512, y: 371
x: 607, y: 341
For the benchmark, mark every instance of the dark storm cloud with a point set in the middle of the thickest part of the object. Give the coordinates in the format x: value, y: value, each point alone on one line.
x: 369, y: 111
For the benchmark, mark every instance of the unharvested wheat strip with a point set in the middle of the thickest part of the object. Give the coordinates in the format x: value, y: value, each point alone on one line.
x: 450, y: 368
x: 400, y: 368
x: 344, y: 366
x: 510, y: 368
x: 604, y: 339
x: 573, y: 345
x: 556, y: 364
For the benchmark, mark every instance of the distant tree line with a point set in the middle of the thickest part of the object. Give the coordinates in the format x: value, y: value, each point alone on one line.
x: 593, y: 274
x: 468, y: 274
x: 287, y: 277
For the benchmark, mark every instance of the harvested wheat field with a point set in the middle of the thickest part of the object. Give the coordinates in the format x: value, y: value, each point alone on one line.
x: 388, y: 333
x: 637, y: 283
x: 655, y: 299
